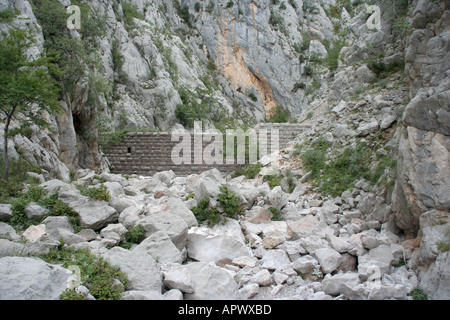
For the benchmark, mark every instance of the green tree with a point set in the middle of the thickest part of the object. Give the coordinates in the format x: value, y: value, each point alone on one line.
x: 26, y: 88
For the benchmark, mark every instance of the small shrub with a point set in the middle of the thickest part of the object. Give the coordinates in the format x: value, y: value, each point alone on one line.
x: 8, y: 15
x: 332, y: 61
x: 339, y: 173
x: 106, y: 140
x: 250, y: 171
x: 280, y: 116
x: 56, y: 208
x: 314, y: 160
x: 17, y: 178
x: 135, y: 235
x: 273, y: 180
x: 183, y: 12
x: 383, y: 70
x: 96, y: 193
x: 231, y: 204
x: 60, y: 209
x: 298, y: 86
x: 418, y: 294
x: 275, y: 19
x: 276, y: 214
x: 253, y: 97
x: 71, y: 295
x: 308, y: 71
x: 130, y: 12
x: 205, y: 214
x: 96, y: 273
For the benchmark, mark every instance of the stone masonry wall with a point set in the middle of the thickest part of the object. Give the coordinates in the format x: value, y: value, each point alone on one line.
x: 148, y: 153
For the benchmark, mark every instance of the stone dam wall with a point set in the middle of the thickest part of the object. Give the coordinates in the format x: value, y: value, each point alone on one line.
x: 146, y: 153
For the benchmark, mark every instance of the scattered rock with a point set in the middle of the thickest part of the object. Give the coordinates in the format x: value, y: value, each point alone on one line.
x: 331, y: 284
x: 179, y: 278
x: 329, y: 259
x: 35, y: 212
x: 210, y: 283
x: 5, y: 212
x: 25, y: 278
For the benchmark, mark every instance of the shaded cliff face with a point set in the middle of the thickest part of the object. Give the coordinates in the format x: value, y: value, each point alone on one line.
x: 424, y: 151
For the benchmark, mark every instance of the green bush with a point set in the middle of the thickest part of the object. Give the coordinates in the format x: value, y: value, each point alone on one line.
x: 230, y: 203
x: 339, y: 173
x: 56, y: 208
x: 249, y: 171
x: 276, y: 214
x: 332, y: 60
x: 314, y: 160
x: 8, y: 15
x: 418, y: 294
x: 135, y: 235
x: 96, y: 273
x: 298, y: 86
x: 205, y: 214
x: 183, y: 12
x: 253, y: 97
x: 68, y: 51
x: 71, y: 295
x: 191, y: 110
x: 17, y: 178
x: 275, y: 19
x: 308, y: 71
x: 383, y: 70
x: 131, y: 12
x: 280, y: 116
x: 273, y: 180
x: 96, y: 193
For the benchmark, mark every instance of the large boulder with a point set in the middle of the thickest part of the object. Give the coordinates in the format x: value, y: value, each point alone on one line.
x: 305, y: 227
x: 141, y: 269
x: 204, y: 245
x: 178, y: 278
x: 275, y: 260
x: 8, y: 232
x: 332, y: 284
x: 329, y: 259
x: 379, y: 259
x: 96, y: 215
x: 161, y: 248
x: 24, y: 278
x: 10, y: 248
x: 206, y: 185
x: 175, y: 227
x: 129, y: 217
x: 5, y: 212
x: 179, y: 208
x: 305, y: 264
x: 210, y: 283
